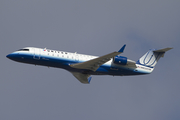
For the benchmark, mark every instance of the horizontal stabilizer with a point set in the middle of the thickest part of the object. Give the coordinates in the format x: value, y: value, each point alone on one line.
x: 162, y: 50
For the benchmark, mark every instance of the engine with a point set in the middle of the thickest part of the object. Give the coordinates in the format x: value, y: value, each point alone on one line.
x: 120, y: 60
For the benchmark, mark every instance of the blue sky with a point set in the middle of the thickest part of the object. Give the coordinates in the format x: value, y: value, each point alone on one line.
x: 95, y: 27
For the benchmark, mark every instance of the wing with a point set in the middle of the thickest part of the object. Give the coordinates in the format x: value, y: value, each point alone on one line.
x: 94, y: 64
x: 83, y: 78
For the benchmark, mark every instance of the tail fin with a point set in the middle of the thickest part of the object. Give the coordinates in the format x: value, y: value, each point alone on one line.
x: 151, y: 58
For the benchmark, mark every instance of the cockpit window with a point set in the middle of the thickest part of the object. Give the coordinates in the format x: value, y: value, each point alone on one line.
x: 23, y: 50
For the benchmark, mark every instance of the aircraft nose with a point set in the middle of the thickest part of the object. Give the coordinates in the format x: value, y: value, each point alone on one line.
x: 14, y: 56
x: 8, y: 56
x: 11, y: 56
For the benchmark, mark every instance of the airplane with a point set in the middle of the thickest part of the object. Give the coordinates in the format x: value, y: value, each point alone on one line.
x: 83, y: 66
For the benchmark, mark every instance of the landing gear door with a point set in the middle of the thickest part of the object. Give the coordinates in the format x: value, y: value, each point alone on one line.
x: 36, y: 53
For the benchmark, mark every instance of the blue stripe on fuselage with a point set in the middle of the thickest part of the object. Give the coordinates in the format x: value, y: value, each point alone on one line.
x: 61, y: 62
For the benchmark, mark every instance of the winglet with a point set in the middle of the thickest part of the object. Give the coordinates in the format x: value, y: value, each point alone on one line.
x: 122, y: 49
x: 89, y: 79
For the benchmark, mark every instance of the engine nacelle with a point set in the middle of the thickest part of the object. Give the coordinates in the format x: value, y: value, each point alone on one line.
x: 120, y: 60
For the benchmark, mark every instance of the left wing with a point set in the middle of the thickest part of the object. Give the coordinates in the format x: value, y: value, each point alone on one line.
x: 83, y: 78
x: 94, y: 64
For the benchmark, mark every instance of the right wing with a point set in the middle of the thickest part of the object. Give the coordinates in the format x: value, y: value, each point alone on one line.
x: 94, y: 64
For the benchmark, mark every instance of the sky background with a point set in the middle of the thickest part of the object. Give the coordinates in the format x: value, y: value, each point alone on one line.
x: 94, y: 27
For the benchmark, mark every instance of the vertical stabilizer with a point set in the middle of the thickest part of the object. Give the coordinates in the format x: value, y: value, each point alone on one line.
x: 151, y: 58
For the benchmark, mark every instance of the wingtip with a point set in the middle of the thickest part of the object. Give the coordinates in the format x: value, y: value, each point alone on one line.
x: 89, y: 79
x: 122, y: 49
